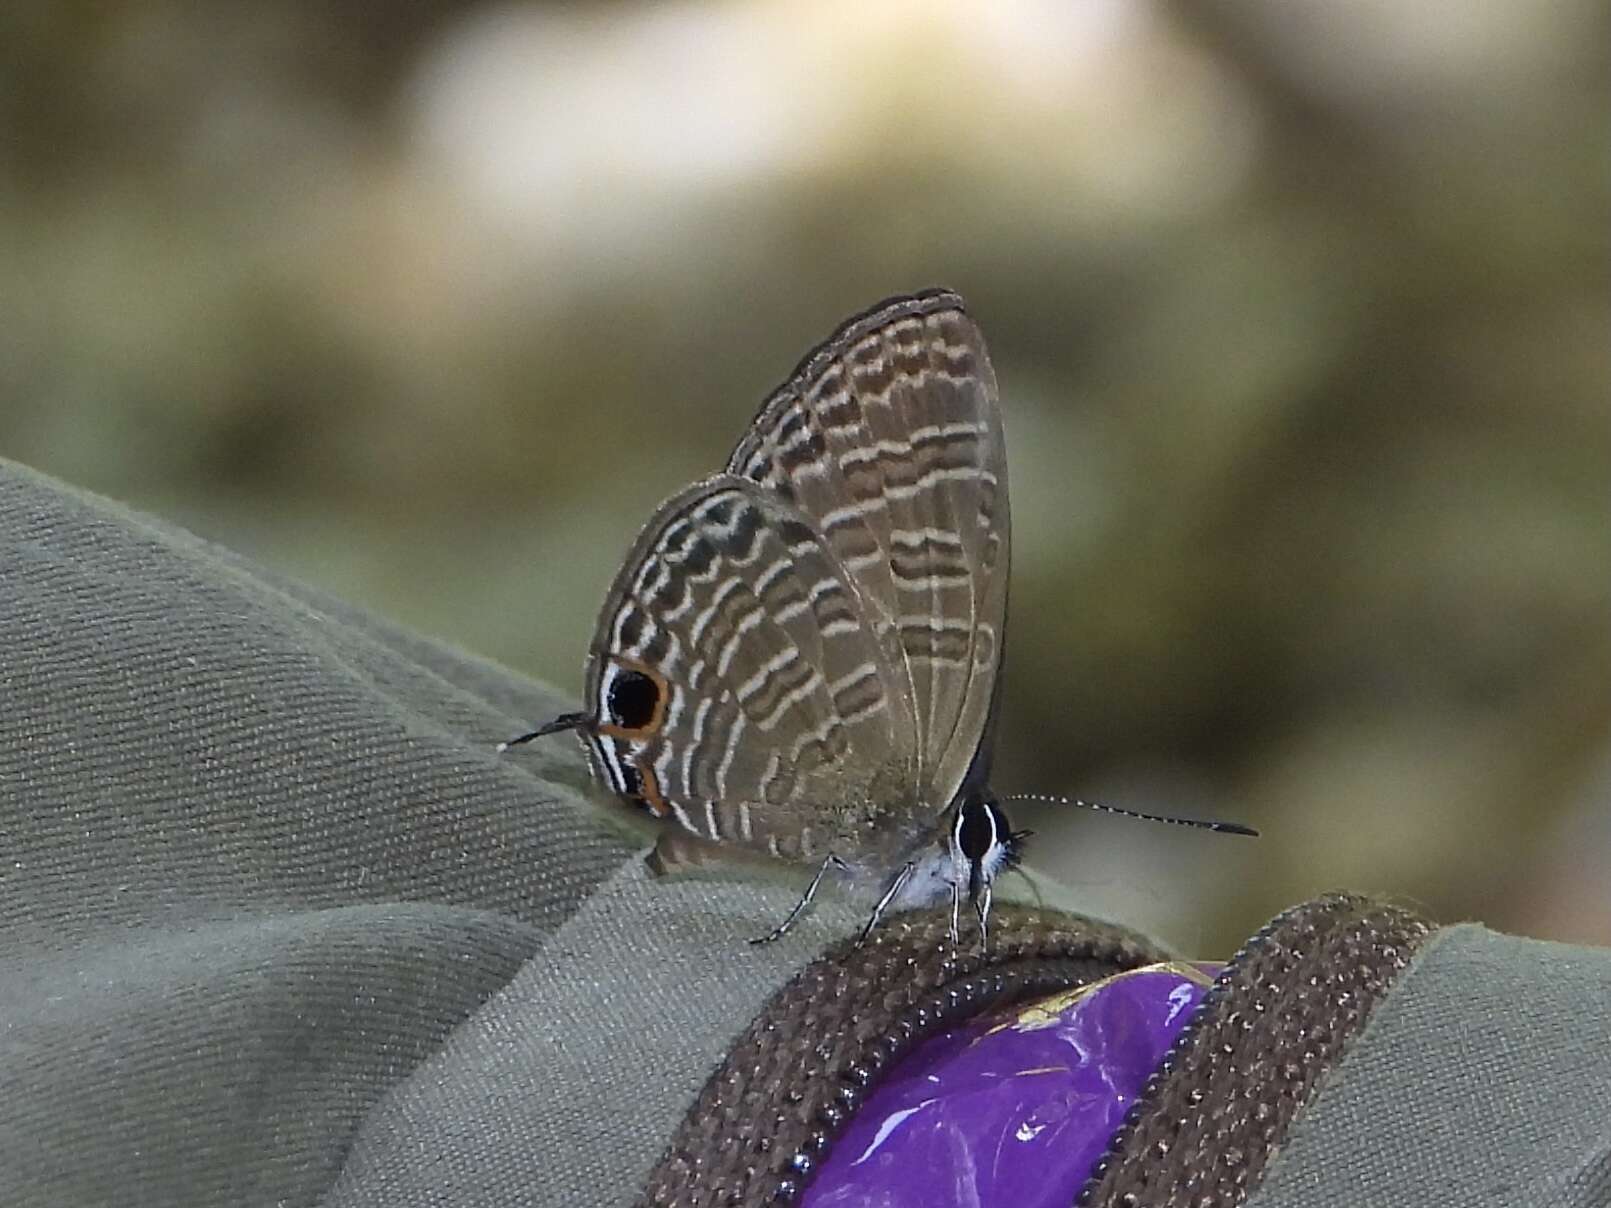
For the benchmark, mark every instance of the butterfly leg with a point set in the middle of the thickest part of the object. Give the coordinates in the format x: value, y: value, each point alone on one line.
x: 779, y: 931
x: 895, y: 887
x: 981, y: 904
x: 956, y: 911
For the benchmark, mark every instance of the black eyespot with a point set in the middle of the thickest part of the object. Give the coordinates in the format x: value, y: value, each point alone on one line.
x: 633, y: 699
x: 976, y: 831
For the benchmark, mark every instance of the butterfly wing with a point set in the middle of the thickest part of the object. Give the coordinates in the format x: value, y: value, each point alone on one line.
x: 736, y: 687
x: 888, y: 438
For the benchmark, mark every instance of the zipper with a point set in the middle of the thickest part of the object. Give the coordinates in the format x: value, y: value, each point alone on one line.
x: 1277, y: 1019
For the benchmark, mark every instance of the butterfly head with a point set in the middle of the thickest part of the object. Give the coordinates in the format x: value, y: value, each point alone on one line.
x: 973, y: 845
x: 981, y: 844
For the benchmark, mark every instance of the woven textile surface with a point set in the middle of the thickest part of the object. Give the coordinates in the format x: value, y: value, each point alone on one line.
x: 279, y: 926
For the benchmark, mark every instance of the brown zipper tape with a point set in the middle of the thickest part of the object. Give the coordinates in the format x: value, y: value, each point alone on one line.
x: 1278, y: 1017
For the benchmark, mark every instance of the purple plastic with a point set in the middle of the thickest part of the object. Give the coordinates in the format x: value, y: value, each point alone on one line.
x: 1012, y: 1108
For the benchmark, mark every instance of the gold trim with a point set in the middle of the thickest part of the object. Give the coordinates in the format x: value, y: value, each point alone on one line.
x: 1044, y: 1012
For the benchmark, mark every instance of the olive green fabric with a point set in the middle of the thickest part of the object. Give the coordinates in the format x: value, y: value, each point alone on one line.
x: 1482, y: 1080
x: 278, y: 925
x: 566, y: 1087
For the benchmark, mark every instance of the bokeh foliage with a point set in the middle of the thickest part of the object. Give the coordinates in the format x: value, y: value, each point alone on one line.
x: 1299, y: 311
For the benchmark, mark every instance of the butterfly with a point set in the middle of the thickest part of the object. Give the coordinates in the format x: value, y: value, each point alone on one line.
x: 800, y: 658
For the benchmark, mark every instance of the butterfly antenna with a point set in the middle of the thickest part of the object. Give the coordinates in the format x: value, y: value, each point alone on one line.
x: 1224, y: 828
x: 565, y: 721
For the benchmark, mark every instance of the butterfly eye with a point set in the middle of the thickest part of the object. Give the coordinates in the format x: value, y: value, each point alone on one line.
x: 977, y: 831
x: 634, y: 699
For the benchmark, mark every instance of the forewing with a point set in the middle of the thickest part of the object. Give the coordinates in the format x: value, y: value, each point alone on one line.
x: 889, y: 438
x: 734, y: 679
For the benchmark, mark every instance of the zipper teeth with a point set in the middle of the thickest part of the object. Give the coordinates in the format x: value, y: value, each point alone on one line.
x: 1211, y: 1115
x: 769, y: 1113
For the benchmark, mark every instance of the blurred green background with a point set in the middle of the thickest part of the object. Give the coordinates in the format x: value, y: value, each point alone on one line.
x: 1299, y: 311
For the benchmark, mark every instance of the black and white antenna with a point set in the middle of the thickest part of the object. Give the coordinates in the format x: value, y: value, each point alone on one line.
x: 1224, y: 828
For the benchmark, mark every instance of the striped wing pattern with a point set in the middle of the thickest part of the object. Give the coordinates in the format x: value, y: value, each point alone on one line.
x: 767, y: 688
x: 804, y: 648
x: 889, y: 437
